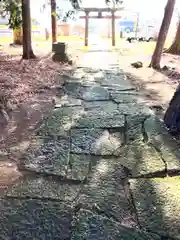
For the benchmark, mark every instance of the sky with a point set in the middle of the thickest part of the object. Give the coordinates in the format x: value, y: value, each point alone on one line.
x: 131, y: 4
x: 149, y: 10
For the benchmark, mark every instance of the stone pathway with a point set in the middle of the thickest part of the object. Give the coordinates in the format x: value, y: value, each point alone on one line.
x: 100, y: 167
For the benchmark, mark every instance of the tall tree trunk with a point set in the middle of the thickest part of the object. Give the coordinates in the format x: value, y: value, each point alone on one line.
x: 156, y: 58
x: 175, y: 47
x: 53, y: 20
x: 17, y: 36
x: 46, y: 34
x: 26, y: 17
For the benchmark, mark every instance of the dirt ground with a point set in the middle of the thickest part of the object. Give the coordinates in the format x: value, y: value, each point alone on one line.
x: 30, y: 87
x: 158, y: 86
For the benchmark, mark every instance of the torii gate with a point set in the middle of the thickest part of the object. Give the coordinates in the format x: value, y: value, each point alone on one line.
x: 99, y: 11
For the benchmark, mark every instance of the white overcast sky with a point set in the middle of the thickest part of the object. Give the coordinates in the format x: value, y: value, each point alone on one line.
x: 148, y: 9
x: 145, y: 7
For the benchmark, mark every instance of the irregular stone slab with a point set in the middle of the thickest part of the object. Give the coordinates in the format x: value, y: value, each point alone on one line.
x: 88, y: 225
x: 130, y: 97
x: 100, y: 106
x: 133, y: 109
x: 99, y: 76
x: 48, y: 156
x: 95, y: 93
x: 153, y: 126
x: 171, y: 158
x: 67, y: 101
x: 59, y: 122
x: 141, y: 159
x: 71, y: 81
x: 133, y: 133
x: 134, y: 128
x: 100, y: 120
x: 44, y: 189
x: 117, y: 83
x: 114, y: 71
x: 157, y: 134
x: 169, y: 151
x: 79, y: 167
x: 118, y: 87
x: 88, y: 79
x: 95, y: 142
x: 115, y: 76
x: 33, y: 219
x: 159, y: 137
x: 105, y: 192
x: 157, y: 204
x: 78, y: 74
x: 91, y: 70
x: 75, y: 89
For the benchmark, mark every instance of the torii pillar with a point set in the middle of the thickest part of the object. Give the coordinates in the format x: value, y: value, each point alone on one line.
x: 86, y: 27
x: 113, y: 28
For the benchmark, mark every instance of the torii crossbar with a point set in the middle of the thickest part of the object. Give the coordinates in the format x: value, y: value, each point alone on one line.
x: 100, y: 11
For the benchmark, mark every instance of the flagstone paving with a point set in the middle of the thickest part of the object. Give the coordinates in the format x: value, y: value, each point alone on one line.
x: 101, y: 166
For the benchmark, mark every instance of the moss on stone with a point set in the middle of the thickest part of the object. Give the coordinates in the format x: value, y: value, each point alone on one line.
x: 89, y: 226
x: 59, y: 122
x: 48, y: 156
x: 157, y: 204
x: 95, y: 142
x: 33, y: 219
x: 105, y: 192
x: 97, y: 119
x: 44, y: 189
x: 141, y: 159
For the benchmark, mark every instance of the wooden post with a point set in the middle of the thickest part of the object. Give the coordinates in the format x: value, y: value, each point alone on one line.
x: 53, y: 21
x: 113, y: 29
x: 86, y: 28
x: 109, y: 28
x: 137, y: 25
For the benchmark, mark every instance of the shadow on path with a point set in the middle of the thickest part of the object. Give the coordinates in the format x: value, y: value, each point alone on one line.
x: 97, y: 168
